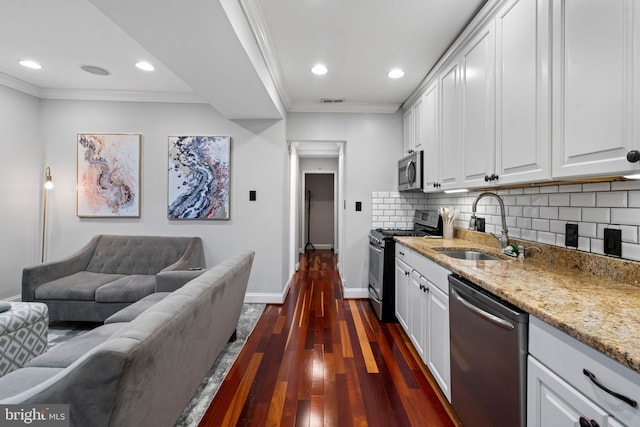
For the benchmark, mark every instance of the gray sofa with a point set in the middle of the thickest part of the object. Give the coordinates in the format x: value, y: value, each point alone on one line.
x: 108, y: 274
x: 145, y: 371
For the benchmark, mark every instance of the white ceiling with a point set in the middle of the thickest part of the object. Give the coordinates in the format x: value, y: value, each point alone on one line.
x: 247, y: 58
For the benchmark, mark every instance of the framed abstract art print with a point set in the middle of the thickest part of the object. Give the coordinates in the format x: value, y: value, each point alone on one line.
x: 108, y: 175
x: 199, y: 177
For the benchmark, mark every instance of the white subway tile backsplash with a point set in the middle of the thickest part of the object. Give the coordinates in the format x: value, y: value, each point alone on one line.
x: 570, y: 214
x: 634, y: 199
x: 625, y: 216
x: 570, y: 188
x: 596, y: 215
x: 557, y: 227
x: 549, y: 212
x: 612, y: 199
x: 549, y: 189
x: 560, y: 199
x: 631, y: 251
x: 625, y: 185
x: 587, y: 229
x: 584, y: 244
x: 540, y: 200
x: 596, y: 186
x: 583, y: 199
x: 537, y: 214
x: 546, y: 238
x: 540, y: 225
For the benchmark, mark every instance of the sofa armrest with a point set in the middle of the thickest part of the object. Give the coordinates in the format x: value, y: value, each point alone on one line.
x: 32, y: 277
x: 193, y: 257
x: 169, y: 281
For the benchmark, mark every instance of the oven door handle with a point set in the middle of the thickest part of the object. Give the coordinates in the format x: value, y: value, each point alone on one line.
x: 490, y: 317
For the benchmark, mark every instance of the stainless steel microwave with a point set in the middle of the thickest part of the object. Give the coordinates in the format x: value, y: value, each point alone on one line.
x: 410, y: 172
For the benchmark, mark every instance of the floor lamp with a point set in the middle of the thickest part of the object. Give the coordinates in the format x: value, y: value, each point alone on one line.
x: 48, y: 185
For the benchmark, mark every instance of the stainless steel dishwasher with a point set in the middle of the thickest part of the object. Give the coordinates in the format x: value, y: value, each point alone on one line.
x: 488, y: 357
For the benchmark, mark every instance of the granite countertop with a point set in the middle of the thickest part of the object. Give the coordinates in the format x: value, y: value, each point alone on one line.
x: 595, y: 299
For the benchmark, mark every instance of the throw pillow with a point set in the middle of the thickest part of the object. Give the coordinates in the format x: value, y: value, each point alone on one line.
x: 4, y: 306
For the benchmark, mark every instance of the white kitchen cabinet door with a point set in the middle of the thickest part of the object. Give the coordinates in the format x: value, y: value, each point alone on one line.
x: 523, y: 97
x: 477, y: 65
x: 418, y: 124
x: 450, y: 154
x: 402, y: 293
x: 408, y: 132
x: 437, y: 338
x: 418, y: 312
x: 553, y: 402
x: 593, y: 54
x: 431, y: 159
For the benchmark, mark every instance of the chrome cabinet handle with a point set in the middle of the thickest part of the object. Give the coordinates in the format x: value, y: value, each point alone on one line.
x: 495, y: 319
x: 594, y: 380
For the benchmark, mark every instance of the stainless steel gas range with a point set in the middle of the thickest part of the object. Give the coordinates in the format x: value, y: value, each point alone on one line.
x: 382, y: 282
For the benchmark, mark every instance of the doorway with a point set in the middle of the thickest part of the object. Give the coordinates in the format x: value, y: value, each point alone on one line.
x: 309, y: 157
x: 319, y: 213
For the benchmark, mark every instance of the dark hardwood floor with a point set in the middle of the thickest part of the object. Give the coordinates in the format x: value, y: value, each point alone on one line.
x: 321, y: 360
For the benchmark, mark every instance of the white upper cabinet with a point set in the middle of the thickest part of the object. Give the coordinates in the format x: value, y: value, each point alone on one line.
x: 431, y: 160
x: 477, y: 65
x: 451, y: 153
x: 408, y: 132
x: 594, y: 78
x: 523, y: 96
x: 418, y: 124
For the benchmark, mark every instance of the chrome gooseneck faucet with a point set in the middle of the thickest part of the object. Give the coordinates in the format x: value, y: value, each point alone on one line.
x: 504, y: 239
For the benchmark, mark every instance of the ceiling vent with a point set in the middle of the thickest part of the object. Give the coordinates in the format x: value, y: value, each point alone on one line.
x: 331, y: 101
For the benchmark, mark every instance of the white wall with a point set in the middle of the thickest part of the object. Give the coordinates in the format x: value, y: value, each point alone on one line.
x: 21, y: 179
x: 259, y: 160
x: 373, y: 143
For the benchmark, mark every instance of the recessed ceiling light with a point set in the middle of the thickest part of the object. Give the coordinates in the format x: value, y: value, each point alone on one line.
x: 145, y: 66
x: 99, y: 71
x: 30, y: 64
x: 396, y: 73
x: 319, y: 69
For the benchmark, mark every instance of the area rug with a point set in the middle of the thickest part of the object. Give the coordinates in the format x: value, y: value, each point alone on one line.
x: 63, y: 331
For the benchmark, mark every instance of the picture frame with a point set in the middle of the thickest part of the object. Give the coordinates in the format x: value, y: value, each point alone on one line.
x: 199, y: 177
x: 108, y: 175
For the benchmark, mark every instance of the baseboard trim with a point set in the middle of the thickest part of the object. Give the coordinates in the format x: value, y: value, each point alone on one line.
x: 15, y: 298
x: 355, y: 293
x: 267, y: 298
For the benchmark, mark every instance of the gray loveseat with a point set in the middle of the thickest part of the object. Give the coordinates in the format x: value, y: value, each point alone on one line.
x: 108, y: 274
x: 145, y: 371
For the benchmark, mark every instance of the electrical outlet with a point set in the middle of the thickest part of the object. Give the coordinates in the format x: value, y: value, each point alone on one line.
x: 613, y: 242
x: 358, y: 206
x: 480, y: 224
x: 252, y: 195
x: 571, y: 235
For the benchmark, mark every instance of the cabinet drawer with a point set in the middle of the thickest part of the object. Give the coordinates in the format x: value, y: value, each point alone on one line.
x: 405, y: 254
x: 568, y: 357
x: 437, y: 274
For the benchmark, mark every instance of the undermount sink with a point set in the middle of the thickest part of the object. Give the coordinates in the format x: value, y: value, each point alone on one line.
x: 469, y: 255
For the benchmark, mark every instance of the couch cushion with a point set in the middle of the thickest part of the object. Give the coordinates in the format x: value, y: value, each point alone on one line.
x: 80, y: 286
x: 23, y: 379
x: 136, y: 254
x: 127, y: 289
x: 68, y: 352
x: 127, y: 314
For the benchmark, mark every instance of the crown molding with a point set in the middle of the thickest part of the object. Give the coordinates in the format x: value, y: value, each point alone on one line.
x: 344, y: 107
x: 121, y: 95
x: 19, y: 85
x: 255, y: 18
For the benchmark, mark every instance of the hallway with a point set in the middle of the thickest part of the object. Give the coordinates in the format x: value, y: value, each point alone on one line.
x: 320, y: 360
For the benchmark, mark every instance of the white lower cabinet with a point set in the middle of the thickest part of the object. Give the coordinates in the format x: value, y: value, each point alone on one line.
x: 422, y: 308
x: 560, y: 393
x: 402, y: 292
